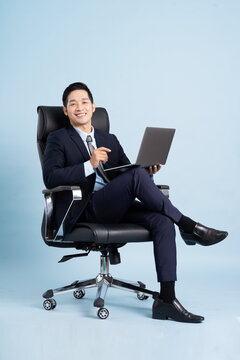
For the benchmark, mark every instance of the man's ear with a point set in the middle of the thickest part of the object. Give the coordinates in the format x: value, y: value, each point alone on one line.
x: 93, y: 107
x: 65, y: 110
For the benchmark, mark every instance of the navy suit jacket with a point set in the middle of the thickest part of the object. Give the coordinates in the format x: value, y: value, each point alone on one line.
x: 63, y: 164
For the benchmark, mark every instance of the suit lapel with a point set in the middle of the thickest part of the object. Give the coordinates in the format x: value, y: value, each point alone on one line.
x: 100, y: 138
x: 78, y: 141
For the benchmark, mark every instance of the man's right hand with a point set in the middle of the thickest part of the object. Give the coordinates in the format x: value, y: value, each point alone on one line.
x: 99, y: 154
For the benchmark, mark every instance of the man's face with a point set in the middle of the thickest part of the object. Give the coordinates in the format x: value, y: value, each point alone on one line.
x: 79, y: 109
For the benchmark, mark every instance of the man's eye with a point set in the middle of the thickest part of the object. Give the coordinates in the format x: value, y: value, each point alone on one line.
x: 72, y: 104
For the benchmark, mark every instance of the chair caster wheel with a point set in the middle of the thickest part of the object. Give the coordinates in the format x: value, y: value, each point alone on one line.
x: 141, y: 296
x: 49, y: 304
x: 78, y: 294
x: 103, y: 313
x: 54, y: 303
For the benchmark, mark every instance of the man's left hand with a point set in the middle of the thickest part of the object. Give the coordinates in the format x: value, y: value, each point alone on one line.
x: 153, y: 169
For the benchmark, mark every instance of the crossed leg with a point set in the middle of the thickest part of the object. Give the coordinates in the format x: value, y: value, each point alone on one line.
x: 111, y: 203
x: 115, y: 203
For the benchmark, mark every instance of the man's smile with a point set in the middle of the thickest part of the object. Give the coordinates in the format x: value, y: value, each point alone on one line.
x: 80, y: 115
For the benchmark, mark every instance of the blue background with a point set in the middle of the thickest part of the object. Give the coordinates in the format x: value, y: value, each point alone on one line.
x: 156, y: 63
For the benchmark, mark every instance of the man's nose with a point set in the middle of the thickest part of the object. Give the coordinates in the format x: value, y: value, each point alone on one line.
x: 79, y: 106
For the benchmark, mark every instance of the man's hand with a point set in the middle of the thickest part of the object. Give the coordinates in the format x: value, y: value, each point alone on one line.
x: 99, y: 154
x: 153, y: 169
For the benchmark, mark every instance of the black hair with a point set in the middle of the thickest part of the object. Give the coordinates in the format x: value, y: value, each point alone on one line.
x: 75, y: 86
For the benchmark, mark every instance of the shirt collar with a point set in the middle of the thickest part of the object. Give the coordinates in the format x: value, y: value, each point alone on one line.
x: 83, y: 134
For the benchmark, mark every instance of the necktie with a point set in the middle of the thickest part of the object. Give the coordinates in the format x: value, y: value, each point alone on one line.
x: 100, y: 168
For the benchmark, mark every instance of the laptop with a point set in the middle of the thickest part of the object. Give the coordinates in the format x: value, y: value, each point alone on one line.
x: 154, y: 149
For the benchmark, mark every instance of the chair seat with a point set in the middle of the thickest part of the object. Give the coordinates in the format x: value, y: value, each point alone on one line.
x: 107, y: 233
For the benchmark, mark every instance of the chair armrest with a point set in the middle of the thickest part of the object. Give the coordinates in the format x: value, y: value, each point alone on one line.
x: 163, y: 187
x: 60, y: 188
x: 49, y: 232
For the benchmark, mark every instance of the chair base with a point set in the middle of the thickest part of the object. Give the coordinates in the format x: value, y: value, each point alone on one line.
x: 102, y: 282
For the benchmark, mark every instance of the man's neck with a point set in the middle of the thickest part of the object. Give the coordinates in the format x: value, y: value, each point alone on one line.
x: 85, y: 128
x: 82, y: 129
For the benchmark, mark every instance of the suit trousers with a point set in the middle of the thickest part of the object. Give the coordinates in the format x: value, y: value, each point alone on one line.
x: 115, y: 203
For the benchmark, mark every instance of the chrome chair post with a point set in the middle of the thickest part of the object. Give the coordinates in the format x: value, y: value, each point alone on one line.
x: 104, y: 264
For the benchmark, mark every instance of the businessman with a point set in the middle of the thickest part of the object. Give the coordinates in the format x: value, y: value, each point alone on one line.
x: 78, y: 155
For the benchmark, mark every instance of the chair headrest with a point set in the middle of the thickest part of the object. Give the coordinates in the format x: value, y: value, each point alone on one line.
x: 52, y: 118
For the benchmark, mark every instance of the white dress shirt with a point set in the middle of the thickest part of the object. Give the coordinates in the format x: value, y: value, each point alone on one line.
x: 99, y: 183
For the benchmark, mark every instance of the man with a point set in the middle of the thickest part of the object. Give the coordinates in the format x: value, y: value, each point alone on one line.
x: 75, y: 155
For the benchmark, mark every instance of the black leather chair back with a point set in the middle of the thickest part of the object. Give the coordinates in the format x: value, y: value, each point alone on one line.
x: 99, y: 236
x: 52, y: 118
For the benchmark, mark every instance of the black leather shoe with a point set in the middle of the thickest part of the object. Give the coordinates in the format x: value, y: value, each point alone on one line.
x: 174, y: 311
x: 203, y: 235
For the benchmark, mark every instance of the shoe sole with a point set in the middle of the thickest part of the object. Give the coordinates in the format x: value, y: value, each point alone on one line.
x: 188, y: 239
x: 160, y: 316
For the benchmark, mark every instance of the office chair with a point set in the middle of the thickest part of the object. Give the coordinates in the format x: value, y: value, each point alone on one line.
x: 105, y: 238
